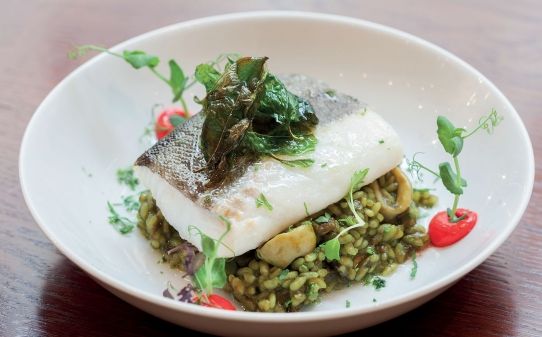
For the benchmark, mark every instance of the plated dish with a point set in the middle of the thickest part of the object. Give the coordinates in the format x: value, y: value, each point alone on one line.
x: 249, y: 194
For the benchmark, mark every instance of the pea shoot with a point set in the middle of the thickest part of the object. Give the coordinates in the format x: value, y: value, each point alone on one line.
x: 177, y: 80
x: 332, y: 247
x: 441, y: 229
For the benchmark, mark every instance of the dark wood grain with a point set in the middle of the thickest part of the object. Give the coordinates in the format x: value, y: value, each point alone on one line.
x: 44, y: 294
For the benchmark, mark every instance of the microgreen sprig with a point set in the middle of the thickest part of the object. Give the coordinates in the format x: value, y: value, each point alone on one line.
x: 332, y: 247
x: 452, y: 139
x: 212, y: 274
x: 177, y: 81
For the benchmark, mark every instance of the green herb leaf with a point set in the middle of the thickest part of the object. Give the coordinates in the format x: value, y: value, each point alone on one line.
x: 122, y: 224
x: 249, y: 114
x: 378, y: 282
x: 348, y: 220
x: 355, y: 182
x: 306, y: 208
x: 449, y: 136
x: 130, y: 203
x: 414, y: 269
x: 332, y: 249
x: 303, y: 163
x: 177, y: 80
x: 212, y: 274
x: 347, y: 303
x: 139, y: 59
x: 323, y: 218
x: 381, y: 141
x: 176, y: 120
x: 283, y: 274
x: 126, y: 177
x: 207, y: 75
x: 449, y: 179
x: 370, y: 250
x: 261, y: 200
x: 333, y: 246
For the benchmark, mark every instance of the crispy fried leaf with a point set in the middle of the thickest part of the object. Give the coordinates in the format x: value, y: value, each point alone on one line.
x: 249, y: 113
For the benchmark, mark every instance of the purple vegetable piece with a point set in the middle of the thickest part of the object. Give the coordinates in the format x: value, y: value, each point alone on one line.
x: 167, y: 294
x: 187, y: 294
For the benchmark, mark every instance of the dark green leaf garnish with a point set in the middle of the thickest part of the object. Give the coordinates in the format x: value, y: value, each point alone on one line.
x: 378, y: 282
x: 249, y: 113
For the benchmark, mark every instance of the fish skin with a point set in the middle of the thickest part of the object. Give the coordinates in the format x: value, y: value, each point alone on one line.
x: 172, y: 170
x: 178, y: 157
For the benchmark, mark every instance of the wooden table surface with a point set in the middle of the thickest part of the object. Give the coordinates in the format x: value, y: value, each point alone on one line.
x: 43, y: 294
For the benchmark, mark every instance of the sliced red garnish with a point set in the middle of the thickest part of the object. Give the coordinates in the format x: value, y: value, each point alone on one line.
x: 443, y: 233
x: 217, y: 301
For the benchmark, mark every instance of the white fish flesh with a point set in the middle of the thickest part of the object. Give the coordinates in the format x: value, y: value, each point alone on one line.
x: 350, y: 138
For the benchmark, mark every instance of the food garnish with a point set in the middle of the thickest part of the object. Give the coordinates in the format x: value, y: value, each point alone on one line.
x: 261, y: 200
x: 122, y: 224
x: 126, y: 177
x: 332, y: 247
x: 168, y: 120
x: 414, y: 269
x: 450, y: 226
x: 249, y: 113
x: 378, y: 282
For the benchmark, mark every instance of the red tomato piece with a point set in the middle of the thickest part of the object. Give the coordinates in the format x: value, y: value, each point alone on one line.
x: 219, y: 302
x: 443, y: 233
x: 163, y: 124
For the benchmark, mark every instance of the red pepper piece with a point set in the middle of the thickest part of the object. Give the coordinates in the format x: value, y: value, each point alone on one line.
x: 215, y: 301
x: 443, y: 233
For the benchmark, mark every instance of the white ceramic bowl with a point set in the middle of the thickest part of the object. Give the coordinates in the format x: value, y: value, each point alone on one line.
x: 92, y: 120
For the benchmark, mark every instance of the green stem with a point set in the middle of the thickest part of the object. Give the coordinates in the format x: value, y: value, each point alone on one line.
x: 160, y: 76
x: 458, y: 182
x: 480, y: 125
x: 185, y: 107
x: 426, y: 168
x: 456, y: 201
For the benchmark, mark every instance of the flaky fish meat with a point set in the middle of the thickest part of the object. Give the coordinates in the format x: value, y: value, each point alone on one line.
x: 350, y: 137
